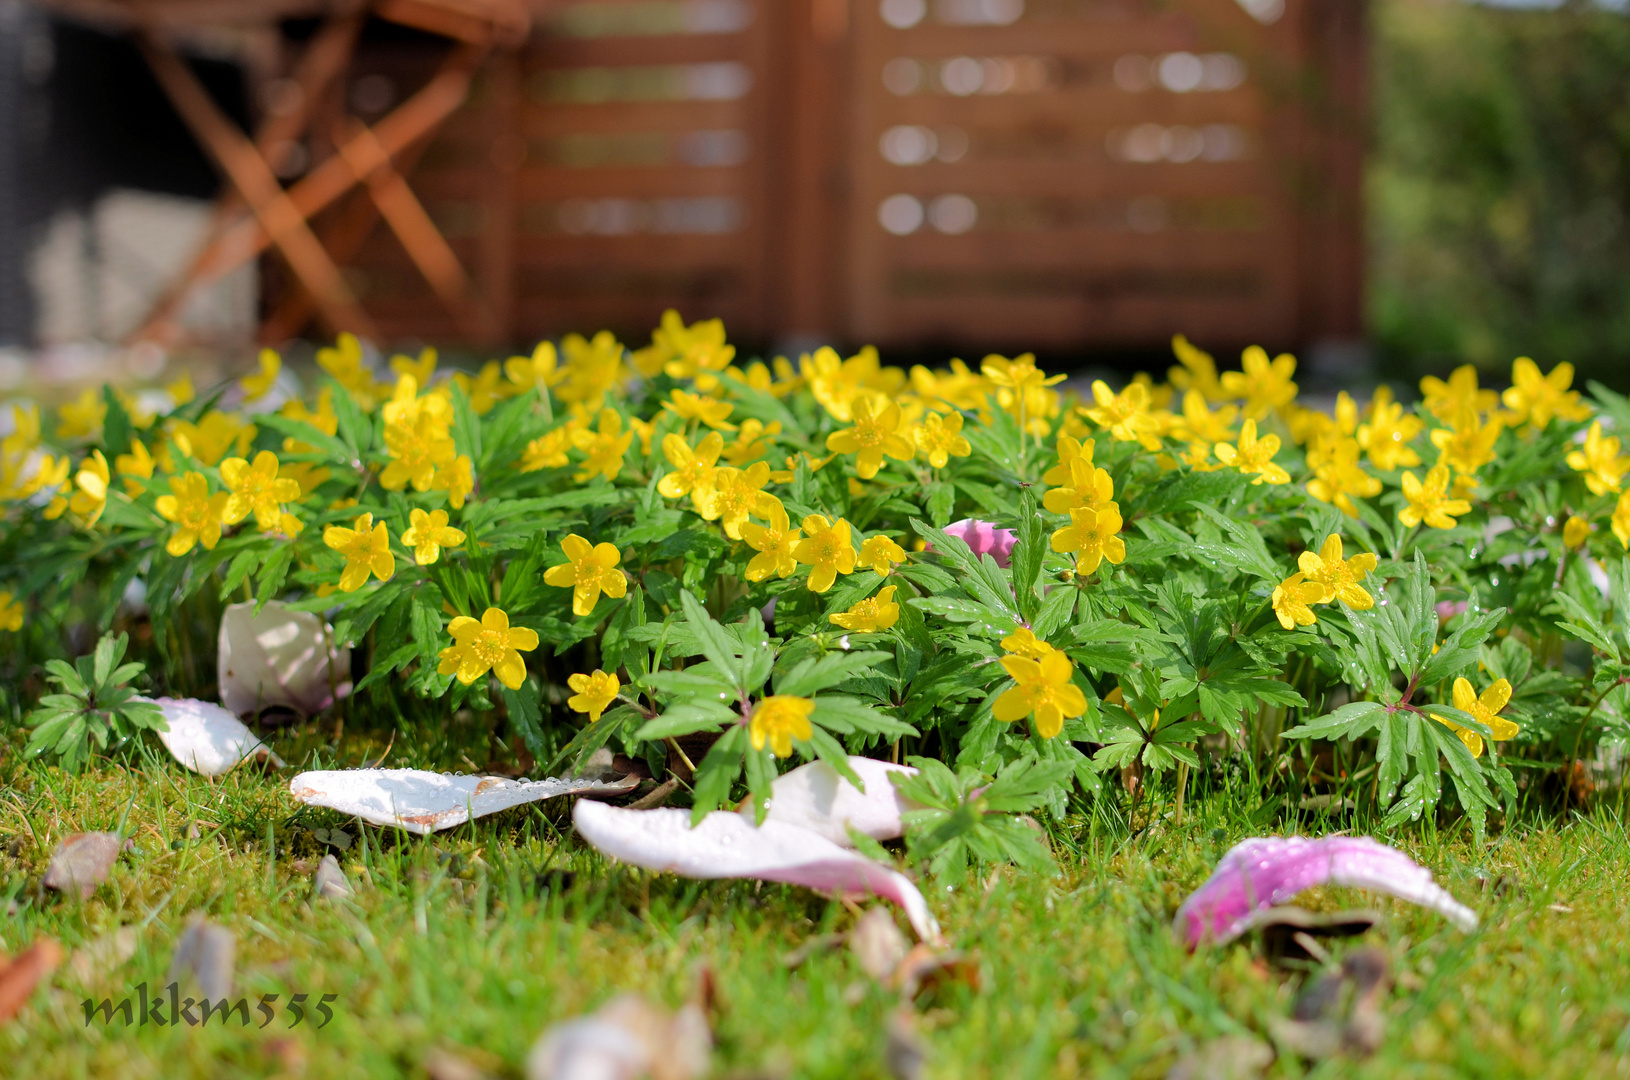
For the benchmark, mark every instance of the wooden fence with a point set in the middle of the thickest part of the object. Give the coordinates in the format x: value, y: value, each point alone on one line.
x: 1064, y: 174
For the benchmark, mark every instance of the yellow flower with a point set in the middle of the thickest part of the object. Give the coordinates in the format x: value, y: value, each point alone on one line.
x: 774, y: 544
x: 1336, y: 577
x: 1291, y: 598
x: 53, y: 474
x: 258, y: 386
x: 82, y: 418
x: 421, y: 369
x: 256, y: 490
x: 367, y: 549
x: 538, y: 371
x: 688, y: 407
x: 1126, y: 415
x: 1430, y: 502
x: 604, y: 449
x: 138, y: 464
x: 1467, y: 445
x: 1387, y: 434
x: 594, y: 693
x: 592, y: 569
x: 11, y: 612
x: 940, y: 438
x: 734, y: 494
x: 827, y: 549
x: 92, y: 481
x: 778, y: 720
x: 1604, y: 469
x: 1021, y: 390
x: 1068, y: 450
x: 593, y: 368
x: 875, y: 433
x: 1337, y: 476
x: 1024, y: 642
x: 407, y: 406
x: 1198, y: 424
x: 488, y: 645
x: 1253, y: 455
x: 1044, y: 689
x: 428, y: 533
x: 695, y: 352
x: 1575, y: 532
x: 196, y: 513
x: 344, y: 363
x: 693, y: 469
x: 872, y: 615
x: 181, y: 390
x: 1263, y: 384
x: 1088, y: 486
x: 547, y: 451
x: 1445, y: 399
x: 1198, y: 371
x: 457, y: 478
x: 836, y: 383
x: 1621, y: 520
x: 948, y: 391
x: 1485, y: 710
x: 213, y: 436
x: 752, y: 441
x: 1091, y: 536
x: 486, y: 388
x: 1538, y: 398
x: 418, y: 445
x: 881, y: 553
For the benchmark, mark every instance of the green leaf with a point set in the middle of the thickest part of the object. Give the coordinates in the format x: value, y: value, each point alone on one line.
x: 824, y: 672
x: 1349, y: 721
x: 1027, y: 555
x: 715, y: 643
x: 687, y: 719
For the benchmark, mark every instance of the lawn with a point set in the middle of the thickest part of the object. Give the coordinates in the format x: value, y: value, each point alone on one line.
x: 474, y: 940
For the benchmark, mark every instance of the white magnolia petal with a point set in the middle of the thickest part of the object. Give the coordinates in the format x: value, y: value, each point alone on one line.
x: 279, y: 658
x: 726, y: 845
x: 425, y: 802
x: 206, y: 738
x: 1265, y: 871
x: 817, y: 798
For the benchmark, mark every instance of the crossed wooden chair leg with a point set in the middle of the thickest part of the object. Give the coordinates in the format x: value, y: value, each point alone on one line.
x: 259, y: 212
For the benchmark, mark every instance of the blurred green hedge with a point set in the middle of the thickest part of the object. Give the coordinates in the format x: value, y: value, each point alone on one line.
x: 1499, y: 187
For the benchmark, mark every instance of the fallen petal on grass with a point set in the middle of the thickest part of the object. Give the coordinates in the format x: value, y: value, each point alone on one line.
x: 626, y: 1038
x: 23, y: 973
x: 207, y: 738
x: 82, y: 862
x: 106, y: 954
x: 726, y: 845
x: 1317, y: 1029
x: 207, y: 955
x: 424, y: 802
x: 330, y: 882
x: 1231, y: 1057
x: 1262, y: 872
x: 877, y: 943
x: 817, y: 798
x: 279, y: 658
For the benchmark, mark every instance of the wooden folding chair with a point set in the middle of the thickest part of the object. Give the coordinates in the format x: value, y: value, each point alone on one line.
x: 257, y: 212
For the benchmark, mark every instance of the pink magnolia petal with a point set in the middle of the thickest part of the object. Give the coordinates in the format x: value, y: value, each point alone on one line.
x: 983, y: 538
x: 726, y: 845
x: 206, y: 738
x: 1265, y: 871
x: 279, y: 658
x: 816, y: 798
x: 424, y: 802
